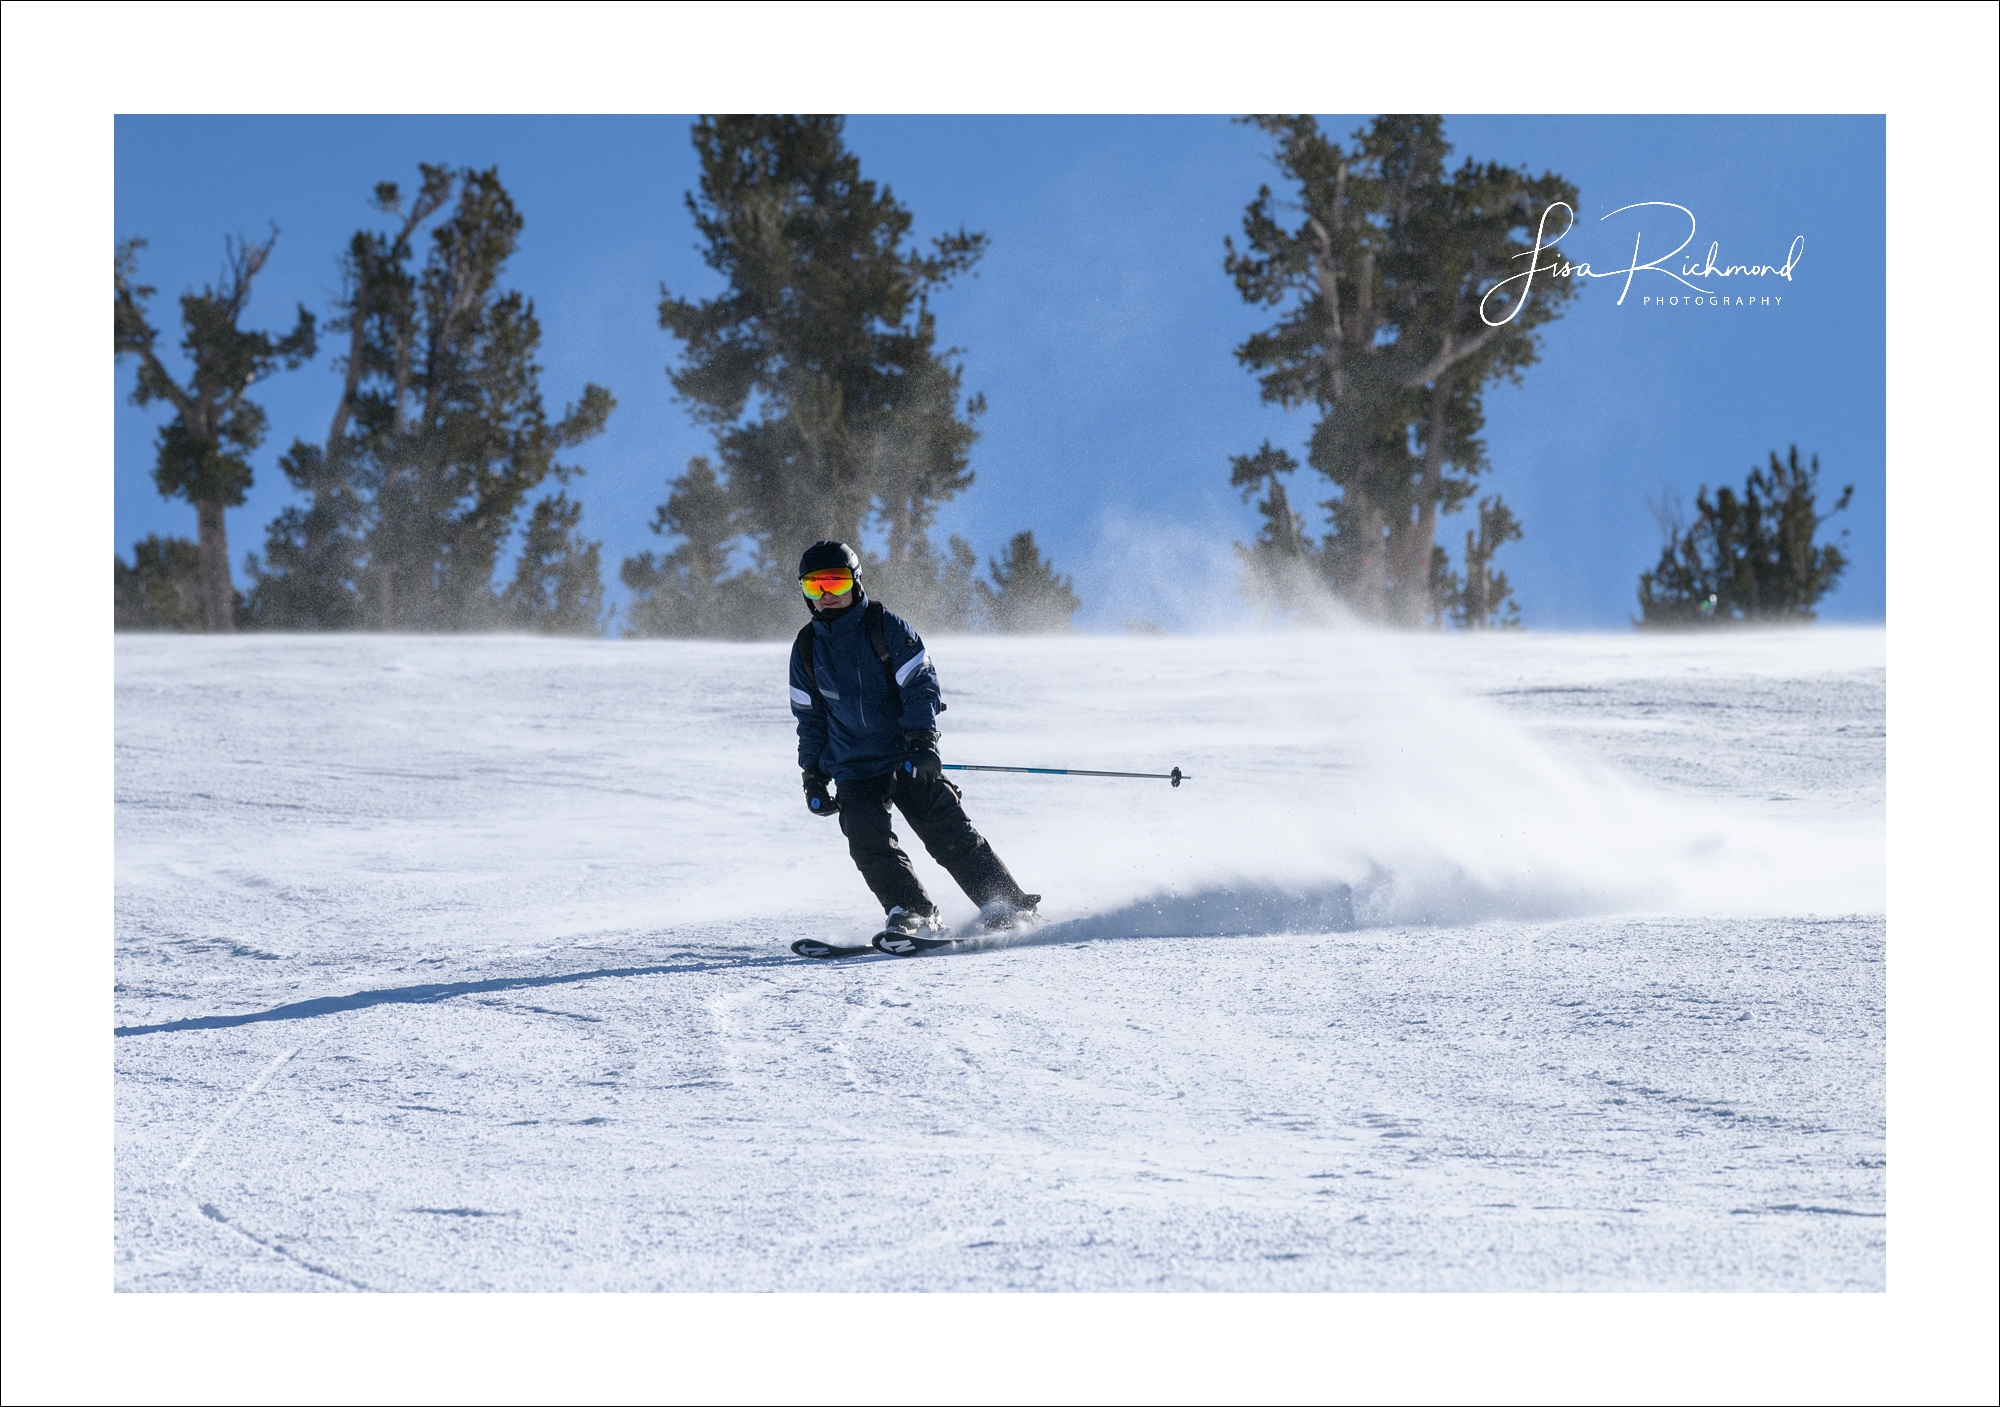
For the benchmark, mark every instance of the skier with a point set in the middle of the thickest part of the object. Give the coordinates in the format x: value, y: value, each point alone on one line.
x: 866, y: 698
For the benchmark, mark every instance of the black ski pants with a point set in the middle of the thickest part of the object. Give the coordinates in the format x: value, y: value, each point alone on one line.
x: 934, y: 812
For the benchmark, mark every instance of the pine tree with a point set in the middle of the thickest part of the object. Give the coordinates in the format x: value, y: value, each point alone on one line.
x: 691, y: 592
x: 162, y: 589
x: 204, y: 450
x: 958, y: 607
x: 1446, y: 589
x: 311, y: 575
x: 933, y: 590
x: 1750, y: 558
x: 1280, y: 568
x: 951, y: 604
x: 440, y: 434
x: 557, y: 587
x: 1484, y: 599
x: 817, y: 369
x: 1403, y: 298
x: 1027, y: 596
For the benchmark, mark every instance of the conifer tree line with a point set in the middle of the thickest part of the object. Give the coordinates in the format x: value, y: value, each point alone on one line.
x: 834, y: 410
x: 1397, y: 280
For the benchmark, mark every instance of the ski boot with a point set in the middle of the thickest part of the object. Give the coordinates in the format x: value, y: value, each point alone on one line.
x: 905, y: 932
x: 1005, y: 915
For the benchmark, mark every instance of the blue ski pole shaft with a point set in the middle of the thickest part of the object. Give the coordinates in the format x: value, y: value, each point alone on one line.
x: 1176, y: 776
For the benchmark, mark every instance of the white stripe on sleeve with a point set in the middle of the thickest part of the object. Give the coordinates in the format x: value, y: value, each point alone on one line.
x: 800, y: 698
x: 916, y: 662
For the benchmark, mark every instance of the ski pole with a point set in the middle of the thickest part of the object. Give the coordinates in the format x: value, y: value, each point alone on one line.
x: 1176, y: 776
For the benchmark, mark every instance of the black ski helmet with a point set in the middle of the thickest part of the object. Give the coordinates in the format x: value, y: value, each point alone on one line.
x: 825, y: 556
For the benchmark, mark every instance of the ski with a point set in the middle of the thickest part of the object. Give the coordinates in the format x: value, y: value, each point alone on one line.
x: 908, y: 945
x: 816, y: 948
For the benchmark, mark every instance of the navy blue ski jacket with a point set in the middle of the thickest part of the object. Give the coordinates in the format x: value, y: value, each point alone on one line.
x: 858, y: 734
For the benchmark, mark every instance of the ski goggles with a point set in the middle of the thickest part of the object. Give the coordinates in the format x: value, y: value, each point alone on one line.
x: 834, y: 581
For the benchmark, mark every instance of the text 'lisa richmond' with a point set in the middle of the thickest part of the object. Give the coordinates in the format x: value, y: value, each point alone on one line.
x: 1512, y: 299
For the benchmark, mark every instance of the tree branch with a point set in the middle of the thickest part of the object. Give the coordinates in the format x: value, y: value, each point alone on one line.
x: 132, y: 333
x: 1449, y: 356
x: 1325, y: 274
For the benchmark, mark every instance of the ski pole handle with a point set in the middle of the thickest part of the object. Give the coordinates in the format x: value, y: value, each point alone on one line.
x: 1176, y: 776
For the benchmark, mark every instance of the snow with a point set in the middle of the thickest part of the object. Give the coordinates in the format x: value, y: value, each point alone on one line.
x: 1518, y: 962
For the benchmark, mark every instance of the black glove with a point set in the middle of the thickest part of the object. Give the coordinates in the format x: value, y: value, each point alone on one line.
x: 817, y: 800
x: 924, y: 764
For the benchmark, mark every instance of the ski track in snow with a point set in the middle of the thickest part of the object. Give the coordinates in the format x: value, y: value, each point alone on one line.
x: 1512, y: 963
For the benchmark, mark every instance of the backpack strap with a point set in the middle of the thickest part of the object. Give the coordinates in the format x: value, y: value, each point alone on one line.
x: 877, y: 639
x: 871, y: 617
x: 871, y: 620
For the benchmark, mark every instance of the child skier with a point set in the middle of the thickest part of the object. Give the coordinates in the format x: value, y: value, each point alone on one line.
x: 866, y: 698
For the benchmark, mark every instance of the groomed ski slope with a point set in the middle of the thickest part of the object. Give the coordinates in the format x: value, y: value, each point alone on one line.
x: 1528, y: 962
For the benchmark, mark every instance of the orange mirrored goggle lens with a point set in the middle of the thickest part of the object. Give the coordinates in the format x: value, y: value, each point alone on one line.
x: 836, y: 582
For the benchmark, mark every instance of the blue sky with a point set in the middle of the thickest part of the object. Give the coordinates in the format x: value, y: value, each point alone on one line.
x: 1101, y: 326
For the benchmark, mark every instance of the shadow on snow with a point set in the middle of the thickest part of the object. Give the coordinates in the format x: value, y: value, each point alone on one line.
x: 436, y: 992
x: 1208, y: 914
